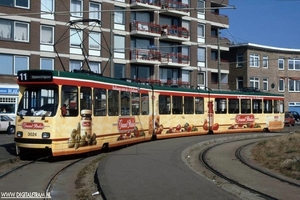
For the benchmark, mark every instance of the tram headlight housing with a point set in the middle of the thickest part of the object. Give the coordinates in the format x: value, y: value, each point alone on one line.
x: 19, y: 134
x: 45, y: 135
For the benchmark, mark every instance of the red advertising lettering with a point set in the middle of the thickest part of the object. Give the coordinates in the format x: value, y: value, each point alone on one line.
x: 126, y: 124
x: 86, y: 124
x: 32, y: 125
x: 244, y: 118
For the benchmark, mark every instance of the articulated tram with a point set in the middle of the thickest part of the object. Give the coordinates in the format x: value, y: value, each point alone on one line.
x: 77, y: 112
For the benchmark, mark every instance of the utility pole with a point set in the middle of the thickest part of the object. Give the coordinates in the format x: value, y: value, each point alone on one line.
x: 112, y: 22
x: 219, y: 60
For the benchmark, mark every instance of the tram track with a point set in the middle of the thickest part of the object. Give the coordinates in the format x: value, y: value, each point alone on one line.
x: 53, y: 178
x: 233, y: 173
x: 15, y: 168
x: 239, y: 156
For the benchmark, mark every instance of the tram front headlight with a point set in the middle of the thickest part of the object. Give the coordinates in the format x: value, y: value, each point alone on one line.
x: 45, y: 135
x: 19, y: 134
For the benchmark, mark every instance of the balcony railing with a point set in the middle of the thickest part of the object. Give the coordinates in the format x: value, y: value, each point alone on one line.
x: 175, y: 58
x: 163, y: 82
x: 145, y: 54
x: 145, y: 27
x: 174, y: 31
x: 169, y: 4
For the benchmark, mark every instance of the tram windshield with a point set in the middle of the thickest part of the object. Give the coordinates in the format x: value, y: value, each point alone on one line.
x: 39, y: 102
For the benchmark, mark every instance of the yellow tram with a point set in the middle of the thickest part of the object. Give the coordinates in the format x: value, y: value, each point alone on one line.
x: 77, y: 112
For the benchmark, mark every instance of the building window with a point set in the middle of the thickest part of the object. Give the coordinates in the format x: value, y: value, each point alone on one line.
x: 201, y: 79
x: 140, y: 72
x: 119, y: 44
x: 47, y: 6
x: 254, y: 82
x: 294, y: 64
x: 201, y: 31
x: 239, y: 60
x: 201, y: 4
x: 95, y: 40
x: 201, y: 55
x: 13, y: 63
x: 281, y: 85
x: 47, y: 34
x: 265, y: 62
x: 75, y: 38
x: 74, y: 64
x: 265, y: 84
x: 16, y: 3
x: 76, y: 8
x: 95, y: 67
x: 294, y: 85
x: 47, y: 63
x: 119, y: 71
x: 281, y: 64
x: 185, y: 24
x: 13, y: 30
x: 239, y: 83
x: 185, y: 77
x: 95, y: 9
x: 21, y: 63
x: 119, y: 16
x: 254, y: 60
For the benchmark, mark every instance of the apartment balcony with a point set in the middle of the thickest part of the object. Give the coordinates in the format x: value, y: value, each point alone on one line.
x: 218, y: 18
x: 213, y: 41
x: 224, y: 64
x: 145, y: 56
x: 154, y: 4
x: 173, y: 33
x: 169, y: 7
x: 164, y: 82
x: 175, y: 59
x: 145, y: 29
x: 220, y: 2
x: 174, y: 8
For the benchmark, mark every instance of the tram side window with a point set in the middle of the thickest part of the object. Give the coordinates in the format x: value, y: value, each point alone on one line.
x: 70, y: 99
x: 278, y: 106
x: 233, y: 106
x: 199, y: 105
x: 113, y: 103
x: 188, y: 105
x: 220, y: 105
x: 267, y: 106
x: 100, y: 98
x: 256, y: 106
x: 246, y: 105
x: 145, y: 104
x: 164, y: 104
x: 125, y: 101
x: 135, y: 103
x: 177, y: 105
x: 85, y: 98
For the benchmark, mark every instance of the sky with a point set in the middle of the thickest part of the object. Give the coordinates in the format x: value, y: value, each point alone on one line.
x: 273, y: 23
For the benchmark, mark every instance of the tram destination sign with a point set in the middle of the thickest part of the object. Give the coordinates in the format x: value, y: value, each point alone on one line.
x: 35, y: 76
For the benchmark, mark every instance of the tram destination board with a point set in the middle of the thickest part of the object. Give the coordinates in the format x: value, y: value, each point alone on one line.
x: 35, y: 76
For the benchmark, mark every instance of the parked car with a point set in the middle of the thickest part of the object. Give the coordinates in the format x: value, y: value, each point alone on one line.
x: 296, y: 115
x: 7, y: 124
x: 289, y: 119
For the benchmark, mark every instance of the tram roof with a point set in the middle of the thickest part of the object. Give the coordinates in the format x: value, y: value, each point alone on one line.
x: 81, y: 74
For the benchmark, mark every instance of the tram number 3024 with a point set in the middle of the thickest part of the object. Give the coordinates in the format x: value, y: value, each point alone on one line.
x: 32, y: 134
